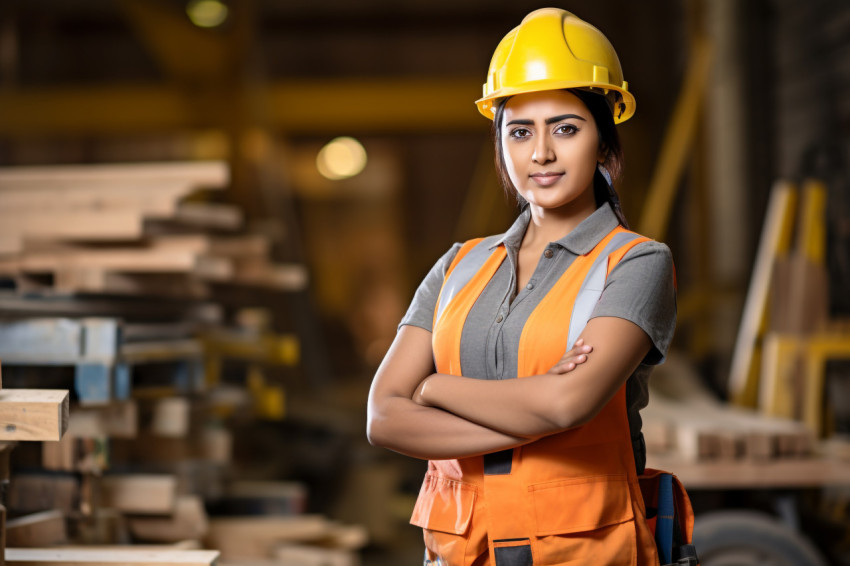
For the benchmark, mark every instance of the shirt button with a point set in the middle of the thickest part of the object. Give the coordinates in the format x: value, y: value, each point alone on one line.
x: 530, y: 286
x: 548, y: 253
x: 500, y: 318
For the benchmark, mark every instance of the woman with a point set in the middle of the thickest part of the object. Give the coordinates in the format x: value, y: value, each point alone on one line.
x: 542, y: 469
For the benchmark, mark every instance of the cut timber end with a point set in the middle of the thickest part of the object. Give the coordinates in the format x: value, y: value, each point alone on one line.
x: 142, y: 494
x: 91, y: 557
x: 33, y: 414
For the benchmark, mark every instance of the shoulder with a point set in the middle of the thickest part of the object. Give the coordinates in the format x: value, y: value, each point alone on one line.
x: 650, y: 256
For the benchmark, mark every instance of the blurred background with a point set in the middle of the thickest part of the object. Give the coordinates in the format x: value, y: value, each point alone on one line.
x: 214, y: 213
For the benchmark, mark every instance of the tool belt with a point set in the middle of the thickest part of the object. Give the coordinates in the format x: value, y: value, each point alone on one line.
x: 670, y: 517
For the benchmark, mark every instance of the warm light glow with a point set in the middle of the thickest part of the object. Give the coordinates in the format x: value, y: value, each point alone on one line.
x: 207, y: 13
x: 341, y: 158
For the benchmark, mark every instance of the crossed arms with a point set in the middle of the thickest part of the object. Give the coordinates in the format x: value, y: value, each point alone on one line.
x: 425, y: 415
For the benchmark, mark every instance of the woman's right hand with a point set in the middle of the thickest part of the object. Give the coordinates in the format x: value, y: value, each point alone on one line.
x: 575, y: 356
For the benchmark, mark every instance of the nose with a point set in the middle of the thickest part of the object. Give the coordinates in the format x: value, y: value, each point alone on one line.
x: 543, y: 152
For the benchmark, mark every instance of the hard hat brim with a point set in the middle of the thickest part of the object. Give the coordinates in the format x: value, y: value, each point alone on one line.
x: 624, y: 109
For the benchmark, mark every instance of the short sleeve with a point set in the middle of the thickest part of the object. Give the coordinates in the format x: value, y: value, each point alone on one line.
x: 641, y: 288
x: 421, y: 310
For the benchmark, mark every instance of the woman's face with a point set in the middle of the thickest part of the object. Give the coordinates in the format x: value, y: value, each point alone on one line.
x: 551, y: 149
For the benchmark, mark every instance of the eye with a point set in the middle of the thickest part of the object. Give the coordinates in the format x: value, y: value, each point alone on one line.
x: 520, y: 133
x: 566, y: 129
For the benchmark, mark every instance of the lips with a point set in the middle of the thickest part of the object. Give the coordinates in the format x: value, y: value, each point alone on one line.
x: 546, y: 178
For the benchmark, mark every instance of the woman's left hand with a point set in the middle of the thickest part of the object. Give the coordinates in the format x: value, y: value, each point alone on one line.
x: 576, y: 355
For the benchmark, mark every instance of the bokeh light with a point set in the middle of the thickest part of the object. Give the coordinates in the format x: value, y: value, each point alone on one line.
x: 341, y: 158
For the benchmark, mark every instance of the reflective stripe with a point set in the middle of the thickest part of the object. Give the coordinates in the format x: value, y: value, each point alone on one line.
x: 592, y: 286
x: 463, y: 273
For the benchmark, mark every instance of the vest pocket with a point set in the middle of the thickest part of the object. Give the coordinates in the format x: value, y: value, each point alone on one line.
x: 444, y: 511
x: 580, y: 504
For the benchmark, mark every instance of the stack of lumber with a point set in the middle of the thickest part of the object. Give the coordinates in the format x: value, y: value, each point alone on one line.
x: 155, y: 308
x: 684, y: 419
x: 129, y: 229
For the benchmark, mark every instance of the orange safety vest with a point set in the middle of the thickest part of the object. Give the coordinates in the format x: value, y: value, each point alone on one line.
x: 569, y: 498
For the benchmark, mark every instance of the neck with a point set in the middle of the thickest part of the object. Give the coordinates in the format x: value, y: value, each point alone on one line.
x: 549, y: 225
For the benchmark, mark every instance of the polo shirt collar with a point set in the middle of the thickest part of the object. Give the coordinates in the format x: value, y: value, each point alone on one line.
x: 580, y: 241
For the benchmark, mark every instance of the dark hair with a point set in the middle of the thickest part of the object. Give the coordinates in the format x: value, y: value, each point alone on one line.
x: 609, y: 142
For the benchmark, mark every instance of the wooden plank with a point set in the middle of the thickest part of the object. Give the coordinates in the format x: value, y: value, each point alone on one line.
x: 282, y: 277
x: 211, y: 216
x: 789, y: 473
x: 171, y: 417
x: 780, y: 393
x: 37, y: 530
x: 144, y: 494
x: 92, y: 557
x: 207, y: 174
x: 305, y: 555
x: 46, y: 341
x: 161, y: 350
x: 118, y: 419
x: 33, y: 414
x: 774, y: 240
x: 146, y: 199
x: 189, y: 521
x: 249, y: 538
x: 30, y: 493
x: 129, y: 260
x: 82, y: 280
x: 122, y: 225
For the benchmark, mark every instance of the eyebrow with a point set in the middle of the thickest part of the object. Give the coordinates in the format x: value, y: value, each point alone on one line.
x: 551, y: 120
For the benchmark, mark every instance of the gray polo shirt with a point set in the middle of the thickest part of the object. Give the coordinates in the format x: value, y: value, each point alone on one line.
x: 639, y: 289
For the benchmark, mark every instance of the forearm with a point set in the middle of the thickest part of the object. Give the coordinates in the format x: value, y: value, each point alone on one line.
x: 545, y: 404
x: 528, y: 407
x: 432, y: 433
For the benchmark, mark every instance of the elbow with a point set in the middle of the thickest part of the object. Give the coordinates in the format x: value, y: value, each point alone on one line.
x: 571, y: 411
x: 373, y: 433
x: 376, y: 432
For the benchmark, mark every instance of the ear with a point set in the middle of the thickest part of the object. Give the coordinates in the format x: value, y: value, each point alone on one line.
x: 602, y: 153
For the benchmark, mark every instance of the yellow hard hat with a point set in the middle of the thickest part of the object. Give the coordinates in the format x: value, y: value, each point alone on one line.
x: 553, y: 49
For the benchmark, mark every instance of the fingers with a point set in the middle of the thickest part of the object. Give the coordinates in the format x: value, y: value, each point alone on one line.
x: 578, y: 354
x: 578, y: 348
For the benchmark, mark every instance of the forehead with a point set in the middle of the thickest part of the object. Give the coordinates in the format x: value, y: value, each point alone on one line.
x: 544, y: 104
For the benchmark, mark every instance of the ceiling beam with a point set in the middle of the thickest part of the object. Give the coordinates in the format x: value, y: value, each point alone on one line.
x: 300, y: 107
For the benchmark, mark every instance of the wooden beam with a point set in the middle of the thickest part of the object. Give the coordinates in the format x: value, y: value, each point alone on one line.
x: 207, y: 174
x: 315, y: 106
x: 678, y: 140
x: 189, y: 521
x: 772, y: 474
x: 778, y: 224
x: 92, y: 557
x: 33, y: 414
x: 46, y: 528
x: 144, y: 494
x: 256, y: 537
